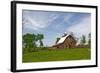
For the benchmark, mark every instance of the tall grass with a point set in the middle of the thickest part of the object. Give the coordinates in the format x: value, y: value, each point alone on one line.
x: 43, y: 55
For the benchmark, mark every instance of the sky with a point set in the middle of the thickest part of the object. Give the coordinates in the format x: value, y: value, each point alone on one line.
x: 53, y: 24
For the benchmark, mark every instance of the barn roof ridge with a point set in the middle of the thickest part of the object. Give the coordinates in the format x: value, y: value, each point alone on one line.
x: 62, y: 39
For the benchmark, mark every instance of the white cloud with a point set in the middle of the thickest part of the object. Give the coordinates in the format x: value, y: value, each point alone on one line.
x: 28, y: 22
x: 82, y: 28
x: 32, y: 22
x: 53, y: 17
x: 67, y: 18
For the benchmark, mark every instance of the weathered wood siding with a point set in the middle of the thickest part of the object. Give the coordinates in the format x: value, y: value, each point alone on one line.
x: 69, y: 42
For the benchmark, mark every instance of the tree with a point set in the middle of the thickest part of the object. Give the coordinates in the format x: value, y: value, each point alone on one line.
x: 57, y: 39
x: 29, y: 41
x: 89, y: 41
x: 40, y: 37
x: 83, y: 40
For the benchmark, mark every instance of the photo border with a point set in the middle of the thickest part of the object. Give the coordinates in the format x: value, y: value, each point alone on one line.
x: 13, y: 34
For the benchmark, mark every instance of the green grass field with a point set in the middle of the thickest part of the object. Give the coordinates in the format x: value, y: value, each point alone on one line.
x: 57, y: 55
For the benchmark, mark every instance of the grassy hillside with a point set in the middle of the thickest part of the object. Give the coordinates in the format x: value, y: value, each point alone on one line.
x: 57, y: 55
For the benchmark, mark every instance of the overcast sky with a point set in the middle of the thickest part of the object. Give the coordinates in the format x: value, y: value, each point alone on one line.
x: 54, y: 24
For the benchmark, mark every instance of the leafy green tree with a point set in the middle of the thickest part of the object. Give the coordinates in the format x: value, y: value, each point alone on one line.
x: 41, y: 43
x: 40, y: 37
x: 83, y: 39
x: 89, y: 41
x: 29, y: 40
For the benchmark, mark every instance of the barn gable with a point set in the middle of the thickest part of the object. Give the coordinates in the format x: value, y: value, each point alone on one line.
x: 66, y: 41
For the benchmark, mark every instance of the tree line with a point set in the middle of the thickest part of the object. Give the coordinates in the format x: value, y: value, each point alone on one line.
x: 29, y: 41
x: 83, y: 39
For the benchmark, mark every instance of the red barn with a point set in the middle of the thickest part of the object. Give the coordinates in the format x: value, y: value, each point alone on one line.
x: 67, y: 41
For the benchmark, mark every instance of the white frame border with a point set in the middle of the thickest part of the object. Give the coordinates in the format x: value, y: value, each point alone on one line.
x: 21, y: 65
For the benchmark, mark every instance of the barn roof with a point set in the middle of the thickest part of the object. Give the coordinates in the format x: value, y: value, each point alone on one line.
x: 62, y: 39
